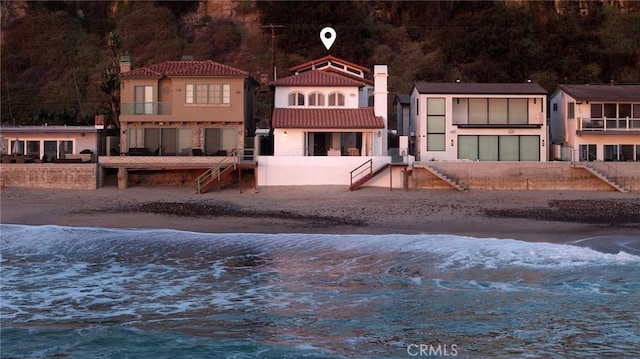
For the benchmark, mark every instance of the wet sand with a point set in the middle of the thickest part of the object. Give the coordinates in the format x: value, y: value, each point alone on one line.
x: 550, y: 216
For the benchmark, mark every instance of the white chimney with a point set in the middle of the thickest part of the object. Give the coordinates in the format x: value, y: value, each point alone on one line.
x: 380, y: 92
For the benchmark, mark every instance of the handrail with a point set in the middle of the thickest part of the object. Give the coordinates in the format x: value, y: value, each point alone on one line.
x: 360, y: 170
x: 216, y: 172
x: 617, y: 174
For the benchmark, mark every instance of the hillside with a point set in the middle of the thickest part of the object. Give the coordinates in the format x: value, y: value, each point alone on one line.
x: 54, y: 54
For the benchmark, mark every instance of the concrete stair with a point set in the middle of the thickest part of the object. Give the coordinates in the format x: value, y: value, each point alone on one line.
x: 366, y: 178
x: 450, y: 181
x: 602, y: 176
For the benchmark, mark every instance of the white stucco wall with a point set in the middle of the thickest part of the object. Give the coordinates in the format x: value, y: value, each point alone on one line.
x: 564, y: 129
x: 537, y: 115
x: 294, y: 171
x: 351, y: 95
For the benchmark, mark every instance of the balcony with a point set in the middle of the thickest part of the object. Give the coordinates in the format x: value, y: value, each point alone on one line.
x: 609, y: 124
x: 145, y: 109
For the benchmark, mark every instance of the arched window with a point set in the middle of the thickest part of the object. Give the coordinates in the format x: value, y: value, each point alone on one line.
x: 296, y: 99
x: 316, y: 99
x: 336, y: 99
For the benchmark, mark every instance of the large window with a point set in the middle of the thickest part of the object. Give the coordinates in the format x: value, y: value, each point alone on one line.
x: 588, y: 153
x: 490, y: 111
x: 436, y: 124
x: 64, y: 147
x: 220, y: 141
x: 160, y: 141
x: 499, y: 148
x: 143, y: 100
x: 208, y: 94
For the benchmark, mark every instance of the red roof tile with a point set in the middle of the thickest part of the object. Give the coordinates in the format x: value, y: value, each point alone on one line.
x: 185, y: 68
x: 318, y: 78
x: 330, y: 118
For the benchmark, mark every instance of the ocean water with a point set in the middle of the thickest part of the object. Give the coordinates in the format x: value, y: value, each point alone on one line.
x: 118, y: 293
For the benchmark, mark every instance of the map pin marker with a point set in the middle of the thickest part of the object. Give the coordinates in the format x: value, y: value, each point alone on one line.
x: 328, y: 36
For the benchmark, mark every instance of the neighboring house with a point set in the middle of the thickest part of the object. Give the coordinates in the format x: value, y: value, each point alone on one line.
x: 479, y: 121
x: 597, y: 122
x: 323, y: 110
x: 328, y: 118
x: 180, y: 108
x: 403, y: 114
x: 50, y: 143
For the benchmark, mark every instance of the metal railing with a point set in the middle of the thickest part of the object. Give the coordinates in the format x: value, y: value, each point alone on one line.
x: 214, y: 173
x: 145, y: 108
x: 361, y: 171
x: 610, y: 172
x: 610, y: 124
x: 245, y: 155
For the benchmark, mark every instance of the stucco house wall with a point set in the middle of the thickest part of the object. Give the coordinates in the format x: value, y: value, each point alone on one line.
x: 456, y: 115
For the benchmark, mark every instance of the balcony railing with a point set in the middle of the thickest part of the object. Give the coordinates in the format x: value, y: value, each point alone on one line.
x: 145, y: 108
x: 610, y: 124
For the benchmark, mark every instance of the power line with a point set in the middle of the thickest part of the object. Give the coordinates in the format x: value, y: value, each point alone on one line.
x: 273, y: 47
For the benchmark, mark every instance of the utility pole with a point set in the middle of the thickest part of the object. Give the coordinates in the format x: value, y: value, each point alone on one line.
x: 273, y: 48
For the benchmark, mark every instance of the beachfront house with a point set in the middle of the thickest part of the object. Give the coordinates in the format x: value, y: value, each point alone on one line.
x: 479, y: 121
x: 49, y: 144
x: 185, y: 108
x: 328, y: 118
x: 596, y: 122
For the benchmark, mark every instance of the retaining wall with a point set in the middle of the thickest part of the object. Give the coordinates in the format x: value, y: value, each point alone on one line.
x: 520, y: 176
x: 49, y: 175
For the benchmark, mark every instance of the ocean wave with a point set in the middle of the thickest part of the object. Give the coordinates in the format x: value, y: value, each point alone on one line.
x: 443, y: 251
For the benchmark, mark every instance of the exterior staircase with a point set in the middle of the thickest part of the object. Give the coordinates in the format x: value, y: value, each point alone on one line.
x: 364, y: 173
x: 607, y: 175
x: 214, y: 176
x: 450, y: 181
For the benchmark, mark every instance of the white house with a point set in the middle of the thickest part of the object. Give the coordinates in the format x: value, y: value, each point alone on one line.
x: 597, y: 122
x: 479, y: 121
x: 328, y: 118
x: 51, y: 143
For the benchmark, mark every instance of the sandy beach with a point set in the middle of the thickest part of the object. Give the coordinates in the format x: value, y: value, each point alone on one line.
x: 554, y: 216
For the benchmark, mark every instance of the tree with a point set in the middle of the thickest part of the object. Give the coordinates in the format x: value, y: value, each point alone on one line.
x: 110, y: 84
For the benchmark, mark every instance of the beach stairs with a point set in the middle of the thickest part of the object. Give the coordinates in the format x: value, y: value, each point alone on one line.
x: 223, y: 170
x: 213, y: 178
x: 364, y: 173
x: 607, y: 175
x: 453, y: 182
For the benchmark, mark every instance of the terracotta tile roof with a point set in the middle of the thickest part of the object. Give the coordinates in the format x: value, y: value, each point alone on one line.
x: 479, y: 88
x: 602, y: 92
x: 330, y: 118
x: 318, y: 78
x: 185, y: 68
x: 349, y: 75
x: 325, y: 59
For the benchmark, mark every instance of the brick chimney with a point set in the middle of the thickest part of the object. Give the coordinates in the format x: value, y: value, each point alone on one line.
x: 125, y: 63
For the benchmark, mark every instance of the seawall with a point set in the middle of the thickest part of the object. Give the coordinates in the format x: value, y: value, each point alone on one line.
x: 522, y: 175
x: 49, y: 175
